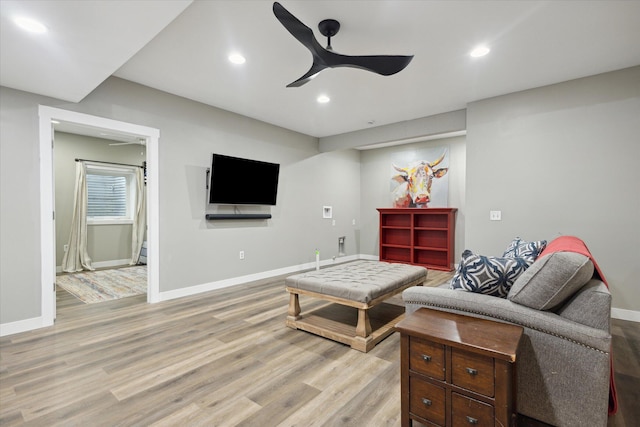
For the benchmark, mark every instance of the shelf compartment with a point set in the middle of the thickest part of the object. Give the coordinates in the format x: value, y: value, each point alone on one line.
x: 390, y: 253
x: 396, y: 236
x: 431, y: 238
x: 396, y: 220
x: 434, y: 258
x: 431, y: 221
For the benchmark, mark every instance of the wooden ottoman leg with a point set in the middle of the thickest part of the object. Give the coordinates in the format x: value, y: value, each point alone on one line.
x: 294, y: 310
x: 363, y: 341
x: 363, y: 329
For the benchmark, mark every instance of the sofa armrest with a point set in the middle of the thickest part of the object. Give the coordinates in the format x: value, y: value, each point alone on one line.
x: 501, y: 309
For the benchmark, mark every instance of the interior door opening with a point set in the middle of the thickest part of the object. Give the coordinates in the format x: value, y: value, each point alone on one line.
x: 114, y: 165
x: 86, y: 124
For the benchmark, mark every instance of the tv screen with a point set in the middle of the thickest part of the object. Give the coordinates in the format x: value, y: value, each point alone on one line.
x: 237, y: 181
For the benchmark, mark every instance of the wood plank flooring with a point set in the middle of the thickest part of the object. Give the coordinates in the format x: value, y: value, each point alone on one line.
x: 224, y: 358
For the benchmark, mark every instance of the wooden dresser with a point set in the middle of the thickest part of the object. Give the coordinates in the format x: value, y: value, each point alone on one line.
x: 457, y: 370
x: 420, y: 236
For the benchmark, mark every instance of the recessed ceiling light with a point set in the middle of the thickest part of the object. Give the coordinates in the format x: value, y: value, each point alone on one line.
x: 479, y: 51
x: 323, y: 99
x: 30, y: 25
x: 236, y: 58
x: 55, y: 122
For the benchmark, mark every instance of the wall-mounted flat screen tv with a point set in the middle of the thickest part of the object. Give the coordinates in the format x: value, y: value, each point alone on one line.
x: 237, y: 181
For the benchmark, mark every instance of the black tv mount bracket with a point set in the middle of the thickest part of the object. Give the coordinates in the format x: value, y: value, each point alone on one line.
x: 206, y: 184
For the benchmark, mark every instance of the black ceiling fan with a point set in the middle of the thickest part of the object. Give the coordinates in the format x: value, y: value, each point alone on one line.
x: 385, y: 65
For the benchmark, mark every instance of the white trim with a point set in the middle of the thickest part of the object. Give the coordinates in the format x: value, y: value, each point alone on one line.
x: 624, y: 314
x: 111, y: 221
x: 47, y: 275
x: 206, y: 287
x: 112, y: 263
x: 104, y: 264
x: 153, y: 218
x: 47, y: 264
x: 21, y: 326
x: 412, y: 140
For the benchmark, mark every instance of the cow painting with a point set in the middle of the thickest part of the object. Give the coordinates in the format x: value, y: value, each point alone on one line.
x: 413, y: 188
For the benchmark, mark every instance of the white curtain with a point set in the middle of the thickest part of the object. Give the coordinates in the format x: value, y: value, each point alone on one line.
x: 77, y: 258
x: 139, y: 218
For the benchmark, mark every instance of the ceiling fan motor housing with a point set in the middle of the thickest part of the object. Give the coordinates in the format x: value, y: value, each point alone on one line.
x: 329, y: 28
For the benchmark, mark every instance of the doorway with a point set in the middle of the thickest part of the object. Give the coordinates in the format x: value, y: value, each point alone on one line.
x: 47, y: 216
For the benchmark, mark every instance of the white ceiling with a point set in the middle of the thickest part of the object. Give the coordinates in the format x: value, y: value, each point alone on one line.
x: 181, y: 47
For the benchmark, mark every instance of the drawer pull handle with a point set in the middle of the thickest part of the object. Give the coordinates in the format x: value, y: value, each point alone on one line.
x: 426, y: 358
x: 472, y: 371
x: 472, y: 420
x: 426, y: 402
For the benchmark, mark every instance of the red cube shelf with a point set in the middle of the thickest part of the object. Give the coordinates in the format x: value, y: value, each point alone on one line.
x: 420, y: 236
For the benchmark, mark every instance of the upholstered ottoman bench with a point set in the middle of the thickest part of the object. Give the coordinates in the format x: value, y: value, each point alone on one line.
x: 363, y: 285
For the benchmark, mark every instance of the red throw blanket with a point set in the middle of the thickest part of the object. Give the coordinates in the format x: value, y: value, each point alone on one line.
x: 573, y: 244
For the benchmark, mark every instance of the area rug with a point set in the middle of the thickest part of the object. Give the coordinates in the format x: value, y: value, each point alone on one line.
x: 105, y: 285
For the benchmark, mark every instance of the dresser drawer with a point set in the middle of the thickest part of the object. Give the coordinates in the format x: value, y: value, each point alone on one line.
x: 473, y: 372
x: 426, y: 358
x: 427, y: 401
x: 470, y: 412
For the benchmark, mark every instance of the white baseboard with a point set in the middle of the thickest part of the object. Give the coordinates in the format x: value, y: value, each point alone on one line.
x: 21, y: 326
x: 206, y: 287
x: 104, y: 264
x: 623, y: 314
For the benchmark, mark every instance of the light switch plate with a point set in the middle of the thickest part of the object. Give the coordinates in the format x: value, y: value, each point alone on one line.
x: 495, y: 215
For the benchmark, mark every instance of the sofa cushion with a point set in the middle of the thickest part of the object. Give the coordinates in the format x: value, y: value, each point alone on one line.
x: 519, y: 248
x: 488, y: 275
x: 551, y: 280
x: 590, y: 306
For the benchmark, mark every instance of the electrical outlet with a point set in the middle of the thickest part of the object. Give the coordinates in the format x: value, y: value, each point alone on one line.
x: 66, y: 248
x: 333, y: 222
x: 241, y: 254
x: 495, y: 215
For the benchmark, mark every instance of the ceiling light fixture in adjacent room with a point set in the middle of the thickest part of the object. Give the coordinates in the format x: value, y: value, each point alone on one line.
x: 479, y: 51
x: 30, y: 25
x: 236, y: 58
x: 323, y: 99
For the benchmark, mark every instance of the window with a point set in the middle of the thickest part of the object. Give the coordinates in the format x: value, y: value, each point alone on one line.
x: 110, y: 194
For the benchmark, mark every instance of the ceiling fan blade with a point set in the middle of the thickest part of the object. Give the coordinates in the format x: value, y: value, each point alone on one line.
x: 385, y: 65
x: 309, y: 75
x: 301, y: 32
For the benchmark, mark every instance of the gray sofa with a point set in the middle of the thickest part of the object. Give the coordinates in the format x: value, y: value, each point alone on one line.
x: 563, y: 363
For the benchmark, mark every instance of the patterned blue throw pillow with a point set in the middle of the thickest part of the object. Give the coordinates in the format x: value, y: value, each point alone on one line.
x: 488, y: 275
x: 519, y: 248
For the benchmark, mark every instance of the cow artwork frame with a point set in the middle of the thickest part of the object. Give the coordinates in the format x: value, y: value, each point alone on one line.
x: 420, y: 179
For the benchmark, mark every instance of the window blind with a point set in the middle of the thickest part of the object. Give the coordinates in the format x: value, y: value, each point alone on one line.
x: 107, y: 196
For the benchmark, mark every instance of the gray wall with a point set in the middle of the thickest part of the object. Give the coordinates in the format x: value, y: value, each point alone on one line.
x: 557, y: 159
x: 105, y: 242
x: 192, y: 250
x: 20, y: 288
x: 561, y: 159
x: 376, y: 166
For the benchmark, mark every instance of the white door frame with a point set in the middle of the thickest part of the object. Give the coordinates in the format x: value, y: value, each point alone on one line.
x: 47, y: 262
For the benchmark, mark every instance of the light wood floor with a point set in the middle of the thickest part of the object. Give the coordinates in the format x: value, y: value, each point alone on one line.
x: 223, y: 358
